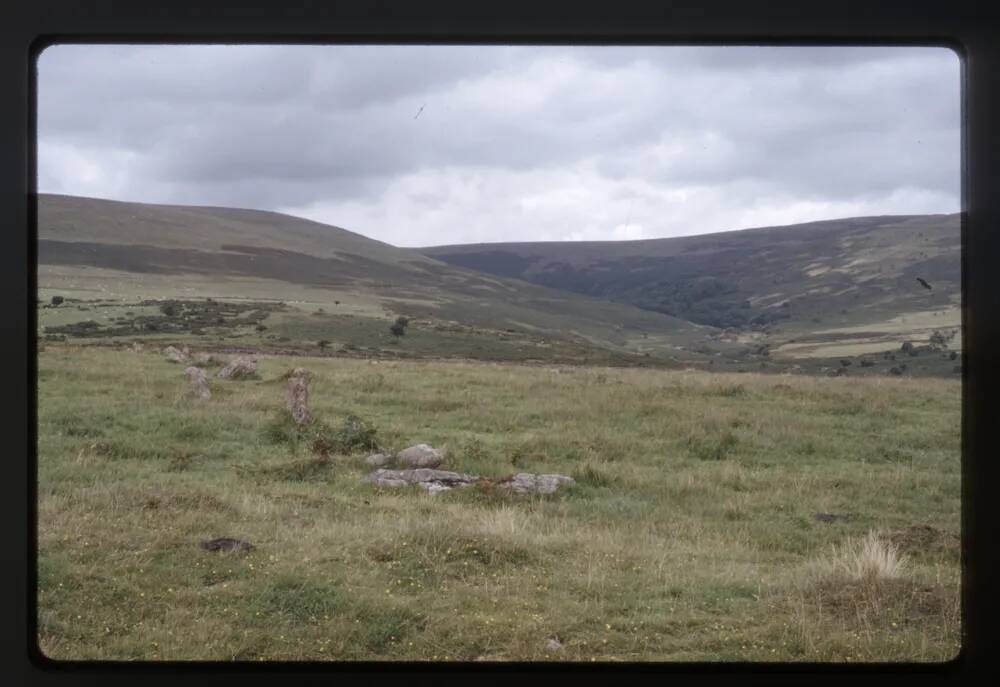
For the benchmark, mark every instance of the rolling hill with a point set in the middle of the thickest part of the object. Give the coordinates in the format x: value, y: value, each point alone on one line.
x: 110, y: 249
x: 838, y: 287
x: 814, y: 297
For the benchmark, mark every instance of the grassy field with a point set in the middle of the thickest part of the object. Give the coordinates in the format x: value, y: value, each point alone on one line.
x: 690, y: 535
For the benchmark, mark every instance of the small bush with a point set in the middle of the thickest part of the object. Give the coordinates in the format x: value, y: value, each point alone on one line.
x: 282, y: 429
x: 475, y: 450
x: 57, y: 300
x: 355, y: 434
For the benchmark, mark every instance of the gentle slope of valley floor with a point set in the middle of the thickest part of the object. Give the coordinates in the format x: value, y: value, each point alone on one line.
x: 690, y: 535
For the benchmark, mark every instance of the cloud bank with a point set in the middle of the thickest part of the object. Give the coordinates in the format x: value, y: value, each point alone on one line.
x: 426, y: 145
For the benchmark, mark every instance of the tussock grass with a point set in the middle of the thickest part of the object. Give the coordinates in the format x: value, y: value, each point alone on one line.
x: 870, y: 559
x: 689, y: 535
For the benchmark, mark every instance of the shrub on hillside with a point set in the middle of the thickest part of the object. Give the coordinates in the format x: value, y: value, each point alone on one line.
x: 355, y: 434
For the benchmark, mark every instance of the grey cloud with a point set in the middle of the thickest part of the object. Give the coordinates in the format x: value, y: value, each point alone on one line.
x: 293, y: 126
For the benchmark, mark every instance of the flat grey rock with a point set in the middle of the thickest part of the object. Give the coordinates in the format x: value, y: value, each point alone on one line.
x: 431, y: 480
x: 528, y: 483
x: 378, y: 460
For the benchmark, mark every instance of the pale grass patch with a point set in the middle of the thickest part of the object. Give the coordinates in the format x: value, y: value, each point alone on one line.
x: 872, y: 558
x: 501, y: 522
x: 253, y: 504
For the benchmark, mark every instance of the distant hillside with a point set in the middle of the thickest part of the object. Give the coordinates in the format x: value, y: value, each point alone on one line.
x: 820, y: 297
x: 140, y: 249
x: 848, y: 271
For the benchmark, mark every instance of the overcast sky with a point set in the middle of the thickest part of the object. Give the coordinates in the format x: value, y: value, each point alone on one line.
x: 425, y: 145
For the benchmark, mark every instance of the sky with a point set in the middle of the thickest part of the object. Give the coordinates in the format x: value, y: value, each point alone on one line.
x: 433, y: 145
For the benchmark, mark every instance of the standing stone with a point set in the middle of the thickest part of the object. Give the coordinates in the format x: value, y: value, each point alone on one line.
x: 238, y: 368
x: 174, y: 355
x: 297, y: 395
x: 199, y: 382
x: 420, y: 456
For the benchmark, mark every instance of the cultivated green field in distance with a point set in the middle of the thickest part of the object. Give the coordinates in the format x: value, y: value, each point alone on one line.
x: 714, y: 517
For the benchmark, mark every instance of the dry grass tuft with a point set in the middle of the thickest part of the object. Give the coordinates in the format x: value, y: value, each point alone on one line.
x: 871, y: 559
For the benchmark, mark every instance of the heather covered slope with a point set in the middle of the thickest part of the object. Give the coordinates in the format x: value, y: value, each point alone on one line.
x: 850, y: 278
x: 92, y: 247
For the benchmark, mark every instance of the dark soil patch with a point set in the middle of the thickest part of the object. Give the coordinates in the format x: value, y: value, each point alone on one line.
x: 924, y: 539
x: 226, y: 544
x: 900, y: 600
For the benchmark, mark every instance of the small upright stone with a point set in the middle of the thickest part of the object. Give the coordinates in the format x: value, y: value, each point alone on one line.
x: 199, y: 382
x: 297, y: 395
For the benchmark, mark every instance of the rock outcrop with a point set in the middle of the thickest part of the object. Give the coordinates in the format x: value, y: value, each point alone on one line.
x: 527, y: 483
x: 238, y: 368
x: 175, y: 355
x: 379, y: 460
x: 420, y: 456
x: 431, y: 480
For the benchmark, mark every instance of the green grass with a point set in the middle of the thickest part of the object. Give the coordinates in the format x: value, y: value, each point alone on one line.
x: 690, y: 535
